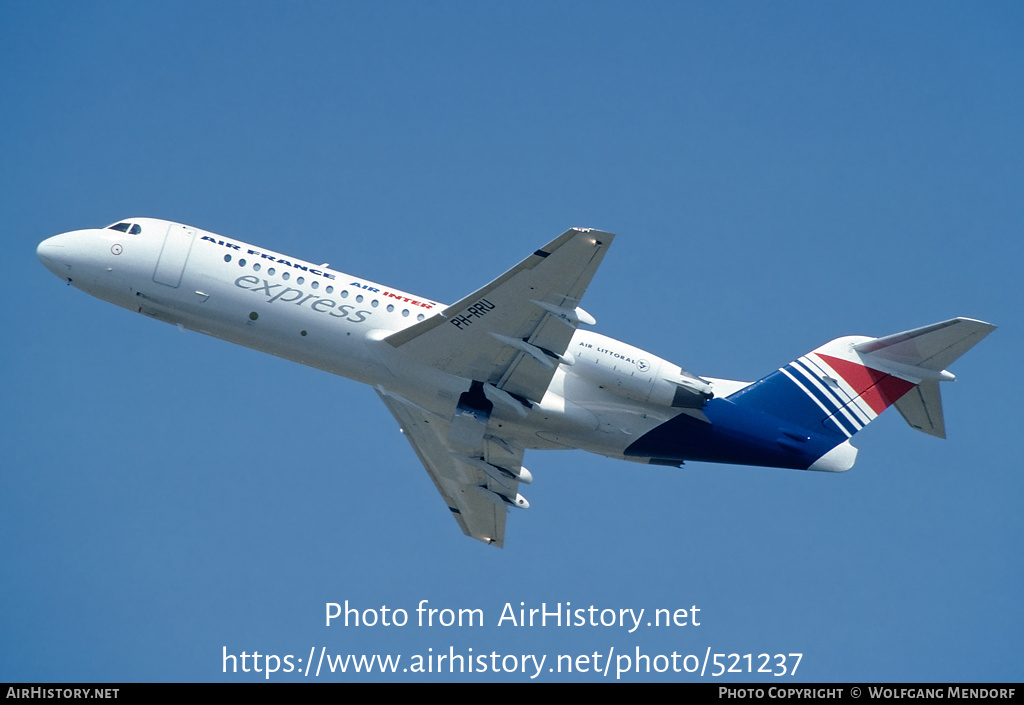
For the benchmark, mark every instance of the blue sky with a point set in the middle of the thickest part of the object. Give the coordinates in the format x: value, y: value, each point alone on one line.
x: 778, y: 175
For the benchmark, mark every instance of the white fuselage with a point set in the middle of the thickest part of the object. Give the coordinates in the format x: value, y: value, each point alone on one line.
x: 320, y: 317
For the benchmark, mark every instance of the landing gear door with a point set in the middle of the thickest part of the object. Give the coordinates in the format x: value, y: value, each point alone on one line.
x: 174, y: 255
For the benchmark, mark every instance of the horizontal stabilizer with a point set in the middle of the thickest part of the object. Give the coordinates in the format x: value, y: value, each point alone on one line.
x: 921, y: 407
x: 924, y: 353
x: 933, y: 347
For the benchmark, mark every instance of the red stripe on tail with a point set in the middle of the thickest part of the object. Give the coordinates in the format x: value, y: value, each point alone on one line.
x: 878, y: 389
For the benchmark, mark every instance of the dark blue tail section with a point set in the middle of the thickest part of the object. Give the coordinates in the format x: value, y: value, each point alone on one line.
x: 738, y: 434
x: 803, y: 415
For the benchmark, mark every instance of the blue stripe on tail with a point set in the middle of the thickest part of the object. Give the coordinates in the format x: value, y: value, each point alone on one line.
x: 803, y: 404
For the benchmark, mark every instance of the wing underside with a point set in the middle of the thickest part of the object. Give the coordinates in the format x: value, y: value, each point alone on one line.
x: 478, y: 485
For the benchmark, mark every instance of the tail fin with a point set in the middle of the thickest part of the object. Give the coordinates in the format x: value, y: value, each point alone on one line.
x: 845, y: 384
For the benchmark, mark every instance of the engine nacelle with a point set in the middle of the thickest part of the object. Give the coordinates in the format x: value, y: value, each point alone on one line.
x: 636, y: 374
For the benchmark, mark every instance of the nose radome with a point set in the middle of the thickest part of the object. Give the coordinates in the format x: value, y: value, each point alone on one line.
x: 50, y: 252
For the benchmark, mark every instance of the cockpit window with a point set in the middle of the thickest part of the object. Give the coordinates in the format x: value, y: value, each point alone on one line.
x: 127, y: 228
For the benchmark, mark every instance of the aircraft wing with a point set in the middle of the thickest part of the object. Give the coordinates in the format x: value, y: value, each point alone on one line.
x: 513, y: 332
x: 475, y: 489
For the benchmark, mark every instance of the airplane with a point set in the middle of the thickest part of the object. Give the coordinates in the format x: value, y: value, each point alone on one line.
x: 513, y: 366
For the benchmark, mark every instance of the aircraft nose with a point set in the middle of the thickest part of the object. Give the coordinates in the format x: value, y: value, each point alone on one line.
x: 51, y: 253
